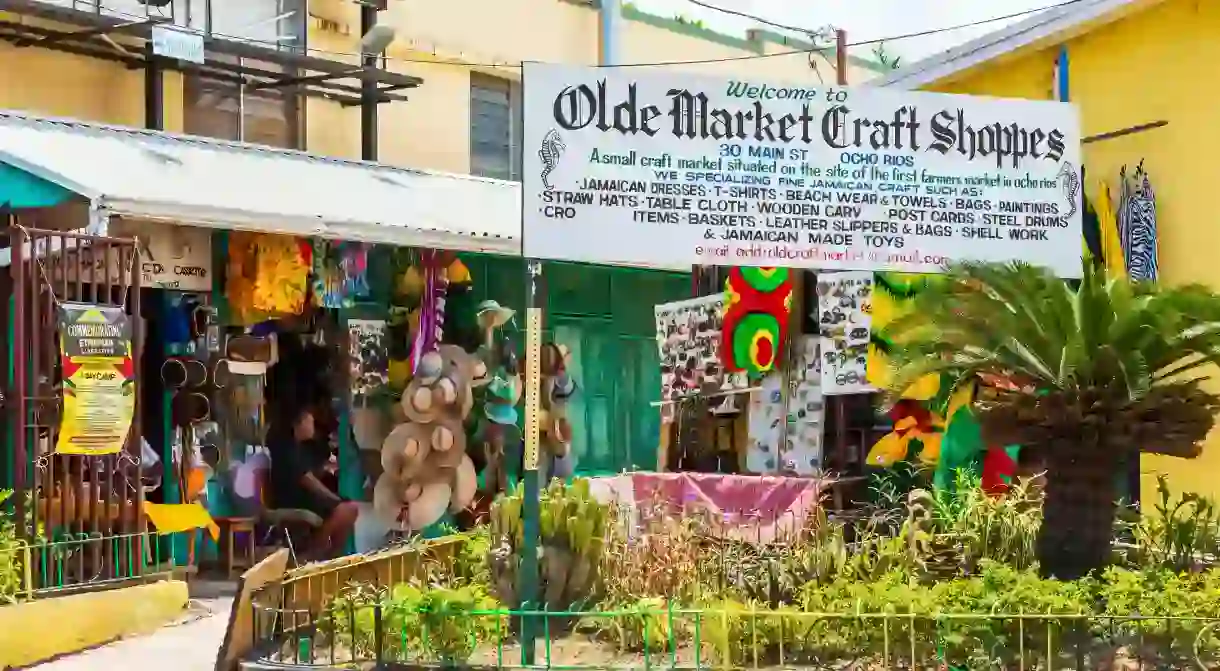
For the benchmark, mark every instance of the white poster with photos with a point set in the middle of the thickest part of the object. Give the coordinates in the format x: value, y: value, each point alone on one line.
x: 688, y: 342
x: 844, y: 320
x: 793, y: 447
x: 806, y: 408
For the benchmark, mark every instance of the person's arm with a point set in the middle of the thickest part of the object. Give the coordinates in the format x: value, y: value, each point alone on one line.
x: 313, y: 485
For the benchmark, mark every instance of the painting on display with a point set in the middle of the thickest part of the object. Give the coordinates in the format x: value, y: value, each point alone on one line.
x: 688, y: 342
x: 844, y: 322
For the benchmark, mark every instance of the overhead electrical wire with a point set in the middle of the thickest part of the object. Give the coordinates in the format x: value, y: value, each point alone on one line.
x: 894, y: 38
x: 701, y: 61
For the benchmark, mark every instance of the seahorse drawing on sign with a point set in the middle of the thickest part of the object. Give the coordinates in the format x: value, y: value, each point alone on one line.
x: 550, y: 152
x: 1069, y: 181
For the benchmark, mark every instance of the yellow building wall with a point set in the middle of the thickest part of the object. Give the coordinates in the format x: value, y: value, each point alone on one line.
x: 438, y: 42
x: 52, y: 83
x: 1136, y: 71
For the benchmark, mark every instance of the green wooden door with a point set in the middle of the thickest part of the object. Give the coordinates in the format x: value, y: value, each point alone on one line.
x: 605, y: 317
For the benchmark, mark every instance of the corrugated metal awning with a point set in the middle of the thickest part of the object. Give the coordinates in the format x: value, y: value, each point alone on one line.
x: 230, y: 185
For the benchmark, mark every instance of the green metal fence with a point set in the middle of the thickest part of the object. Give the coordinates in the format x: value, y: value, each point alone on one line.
x: 378, y: 635
x: 80, y: 562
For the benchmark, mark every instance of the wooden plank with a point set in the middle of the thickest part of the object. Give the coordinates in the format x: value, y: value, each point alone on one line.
x: 239, y: 636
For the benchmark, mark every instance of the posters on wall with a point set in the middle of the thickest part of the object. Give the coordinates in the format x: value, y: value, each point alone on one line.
x: 368, y: 357
x: 672, y: 169
x: 844, y: 326
x: 688, y: 342
x: 98, y: 379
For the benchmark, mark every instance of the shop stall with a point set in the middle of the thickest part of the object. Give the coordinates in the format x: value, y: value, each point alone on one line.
x: 229, y: 271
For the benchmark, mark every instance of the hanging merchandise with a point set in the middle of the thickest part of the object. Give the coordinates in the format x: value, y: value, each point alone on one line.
x: 557, y: 387
x: 766, y: 426
x: 282, y: 267
x: 844, y: 323
x: 1111, y: 242
x: 758, y: 302
x: 427, y: 336
x: 785, y: 434
x: 801, y: 453
x: 340, y: 273
x: 267, y: 276
x: 1137, y: 224
x: 427, y: 472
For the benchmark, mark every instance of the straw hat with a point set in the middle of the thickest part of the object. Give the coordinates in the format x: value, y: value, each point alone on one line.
x: 492, y: 315
x: 405, y: 449
x: 370, y: 426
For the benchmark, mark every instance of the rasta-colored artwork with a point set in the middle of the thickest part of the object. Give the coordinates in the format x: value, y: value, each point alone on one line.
x: 758, y: 302
x: 934, y: 424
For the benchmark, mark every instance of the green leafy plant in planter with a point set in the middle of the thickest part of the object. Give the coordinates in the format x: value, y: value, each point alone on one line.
x: 573, y: 528
x: 1095, y: 374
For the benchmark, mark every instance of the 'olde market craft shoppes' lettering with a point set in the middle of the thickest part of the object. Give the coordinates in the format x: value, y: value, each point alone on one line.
x: 691, y: 116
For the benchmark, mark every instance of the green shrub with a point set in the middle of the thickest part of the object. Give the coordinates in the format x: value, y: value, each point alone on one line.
x: 11, y: 554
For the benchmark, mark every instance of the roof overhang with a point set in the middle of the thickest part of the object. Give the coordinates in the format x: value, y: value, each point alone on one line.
x: 1040, y: 30
x: 228, y: 185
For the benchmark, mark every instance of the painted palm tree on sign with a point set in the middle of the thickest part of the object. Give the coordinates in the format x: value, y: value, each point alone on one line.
x: 1103, y: 371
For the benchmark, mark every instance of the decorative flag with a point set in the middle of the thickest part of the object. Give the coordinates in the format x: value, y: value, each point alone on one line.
x: 758, y: 303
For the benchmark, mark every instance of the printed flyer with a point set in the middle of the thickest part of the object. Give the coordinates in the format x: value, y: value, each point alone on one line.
x: 98, y: 379
x: 367, y: 347
x: 672, y: 169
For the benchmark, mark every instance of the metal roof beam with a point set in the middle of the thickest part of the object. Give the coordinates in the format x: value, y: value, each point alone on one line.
x: 288, y: 58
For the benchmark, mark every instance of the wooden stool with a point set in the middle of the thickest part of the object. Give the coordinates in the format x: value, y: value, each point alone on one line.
x: 236, y: 561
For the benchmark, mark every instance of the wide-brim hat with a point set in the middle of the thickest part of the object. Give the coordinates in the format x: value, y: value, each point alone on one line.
x: 563, y: 387
x: 493, y: 315
x: 500, y: 413
x: 370, y: 426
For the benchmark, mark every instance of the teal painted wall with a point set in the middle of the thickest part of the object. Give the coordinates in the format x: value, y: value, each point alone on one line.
x: 605, y: 316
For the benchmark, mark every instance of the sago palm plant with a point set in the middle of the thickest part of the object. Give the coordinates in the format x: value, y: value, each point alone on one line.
x: 1100, y: 372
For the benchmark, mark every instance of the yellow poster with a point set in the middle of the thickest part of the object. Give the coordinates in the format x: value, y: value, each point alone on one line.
x: 98, y: 379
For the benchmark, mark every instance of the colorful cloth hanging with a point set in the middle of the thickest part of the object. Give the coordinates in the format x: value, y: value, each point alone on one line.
x: 1111, y: 243
x: 340, y: 273
x: 1137, y: 224
x: 757, y: 305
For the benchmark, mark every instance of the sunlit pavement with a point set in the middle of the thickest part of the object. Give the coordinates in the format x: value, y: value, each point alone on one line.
x: 189, y: 645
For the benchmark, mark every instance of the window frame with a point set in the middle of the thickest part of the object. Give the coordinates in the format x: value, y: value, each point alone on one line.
x: 511, y: 91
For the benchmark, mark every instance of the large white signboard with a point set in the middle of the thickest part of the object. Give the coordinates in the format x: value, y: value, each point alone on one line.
x: 658, y: 167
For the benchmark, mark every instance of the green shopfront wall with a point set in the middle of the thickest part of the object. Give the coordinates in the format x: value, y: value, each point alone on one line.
x: 605, y: 316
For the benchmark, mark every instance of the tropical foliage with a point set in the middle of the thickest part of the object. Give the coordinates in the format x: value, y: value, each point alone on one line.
x: 1093, y: 373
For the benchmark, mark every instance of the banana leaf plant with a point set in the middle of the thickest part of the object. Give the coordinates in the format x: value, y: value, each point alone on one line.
x: 1099, y: 372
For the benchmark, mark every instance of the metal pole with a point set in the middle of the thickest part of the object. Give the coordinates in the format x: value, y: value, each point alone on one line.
x: 368, y: 88
x: 528, y: 585
x: 608, y: 21
x: 841, y: 57
x: 154, y: 90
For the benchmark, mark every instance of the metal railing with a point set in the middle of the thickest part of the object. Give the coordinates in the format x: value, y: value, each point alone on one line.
x: 85, y: 562
x: 379, y: 633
